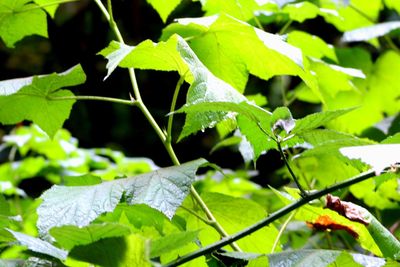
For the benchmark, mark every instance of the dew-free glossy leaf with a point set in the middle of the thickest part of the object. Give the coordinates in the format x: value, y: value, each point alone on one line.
x: 370, y: 32
x: 70, y: 236
x: 164, y: 7
x: 171, y: 242
x: 19, y: 19
x: 34, y: 98
x: 378, y: 157
x: 38, y: 245
x: 240, y: 9
x: 163, y: 189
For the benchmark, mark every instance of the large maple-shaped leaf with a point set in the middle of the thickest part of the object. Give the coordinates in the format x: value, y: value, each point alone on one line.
x: 176, y: 55
x: 232, y: 49
x: 35, y: 99
x: 19, y: 18
x: 163, y: 189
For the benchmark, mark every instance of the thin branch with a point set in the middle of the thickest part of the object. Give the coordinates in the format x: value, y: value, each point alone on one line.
x: 173, y: 106
x: 201, y: 218
x: 44, y: 5
x: 95, y: 98
x: 271, y: 218
x: 303, y: 193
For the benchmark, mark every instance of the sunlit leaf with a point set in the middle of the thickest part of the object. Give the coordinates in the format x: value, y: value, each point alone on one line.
x: 232, y: 49
x: 378, y: 157
x: 171, y: 242
x: 38, y: 245
x: 163, y: 189
x: 34, y: 99
x: 19, y: 19
x: 164, y: 8
x: 370, y: 32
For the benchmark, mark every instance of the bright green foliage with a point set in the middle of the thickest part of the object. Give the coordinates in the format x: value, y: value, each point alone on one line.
x: 164, y: 7
x: 19, y: 18
x: 234, y: 214
x: 163, y: 189
x: 35, y: 99
x: 232, y: 49
x: 49, y: 5
x: 171, y: 242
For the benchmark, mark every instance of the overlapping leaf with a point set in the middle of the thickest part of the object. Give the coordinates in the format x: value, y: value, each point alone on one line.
x: 19, y: 19
x: 162, y: 189
x: 164, y: 8
x: 176, y: 55
x: 35, y: 98
x: 232, y: 49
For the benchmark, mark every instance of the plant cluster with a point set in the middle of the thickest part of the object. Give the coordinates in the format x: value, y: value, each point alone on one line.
x: 103, y: 208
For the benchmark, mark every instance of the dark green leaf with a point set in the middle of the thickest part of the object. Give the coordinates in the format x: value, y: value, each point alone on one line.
x: 70, y: 236
x: 34, y: 99
x: 171, y: 242
x: 163, y: 189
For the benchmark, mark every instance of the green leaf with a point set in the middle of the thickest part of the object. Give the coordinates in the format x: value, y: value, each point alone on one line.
x: 301, y: 11
x: 176, y: 55
x: 70, y: 236
x: 34, y: 98
x: 316, y: 120
x: 115, y: 252
x: 240, y: 9
x: 234, y: 214
x: 86, y: 179
x: 171, y: 242
x: 164, y: 7
x: 311, y: 45
x: 370, y: 32
x: 378, y: 157
x: 394, y: 4
x: 38, y: 245
x: 394, y: 139
x: 19, y: 18
x: 49, y: 5
x: 232, y: 49
x: 163, y: 189
x: 282, y: 120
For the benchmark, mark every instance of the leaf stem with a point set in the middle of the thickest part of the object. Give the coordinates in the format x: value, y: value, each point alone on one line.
x: 303, y: 193
x: 285, y: 27
x: 96, y: 98
x: 166, y: 142
x: 271, y: 218
x: 283, y: 227
x: 173, y: 105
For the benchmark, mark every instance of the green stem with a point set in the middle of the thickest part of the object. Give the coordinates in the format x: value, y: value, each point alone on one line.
x: 167, y: 143
x: 201, y: 218
x: 285, y: 27
x: 303, y: 193
x: 284, y: 225
x: 173, y: 105
x: 96, y: 98
x: 271, y: 218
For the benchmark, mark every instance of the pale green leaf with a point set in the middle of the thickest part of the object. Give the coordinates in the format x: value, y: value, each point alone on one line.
x: 232, y: 49
x: 394, y: 4
x: 394, y: 139
x: 370, y: 32
x: 34, y: 99
x: 240, y: 9
x: 70, y: 236
x: 164, y: 7
x: 301, y: 11
x: 38, y: 245
x: 19, y: 18
x: 163, y: 189
x: 378, y: 157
